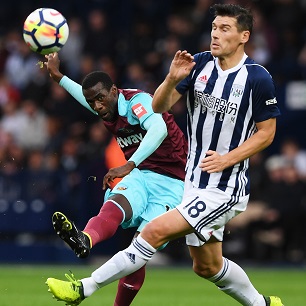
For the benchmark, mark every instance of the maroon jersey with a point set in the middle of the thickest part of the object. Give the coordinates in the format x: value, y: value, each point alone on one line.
x: 168, y: 159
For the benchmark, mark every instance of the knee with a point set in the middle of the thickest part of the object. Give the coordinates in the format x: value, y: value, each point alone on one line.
x: 154, y: 234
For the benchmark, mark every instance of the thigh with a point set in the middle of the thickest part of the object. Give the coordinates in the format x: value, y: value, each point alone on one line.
x: 133, y: 188
x: 164, y: 194
x: 123, y: 204
x: 163, y: 190
x: 208, y: 210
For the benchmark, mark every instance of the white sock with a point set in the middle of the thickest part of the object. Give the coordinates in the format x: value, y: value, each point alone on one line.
x: 121, y: 264
x: 89, y: 286
x: 232, y: 280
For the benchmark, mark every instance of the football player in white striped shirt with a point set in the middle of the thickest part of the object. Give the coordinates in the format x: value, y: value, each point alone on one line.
x: 232, y: 113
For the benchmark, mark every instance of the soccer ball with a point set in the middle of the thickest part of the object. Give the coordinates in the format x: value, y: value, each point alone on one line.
x: 45, y: 31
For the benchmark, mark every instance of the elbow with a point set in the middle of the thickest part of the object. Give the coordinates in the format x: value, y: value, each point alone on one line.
x: 269, y: 140
x: 161, y: 105
x: 157, y: 108
x: 271, y: 136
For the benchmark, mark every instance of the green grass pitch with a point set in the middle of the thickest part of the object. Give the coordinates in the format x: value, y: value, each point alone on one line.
x: 25, y: 286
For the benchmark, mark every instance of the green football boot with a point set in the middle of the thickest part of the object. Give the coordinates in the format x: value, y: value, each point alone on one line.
x: 70, y: 291
x: 273, y: 301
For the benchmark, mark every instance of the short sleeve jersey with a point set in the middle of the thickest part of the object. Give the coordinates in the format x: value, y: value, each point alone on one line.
x: 134, y: 107
x: 223, y: 108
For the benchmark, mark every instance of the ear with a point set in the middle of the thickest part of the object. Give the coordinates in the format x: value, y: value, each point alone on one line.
x: 245, y: 35
x: 114, y: 89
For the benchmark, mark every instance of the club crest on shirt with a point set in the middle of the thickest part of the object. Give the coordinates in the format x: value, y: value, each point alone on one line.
x: 121, y: 188
x: 237, y: 90
x: 139, y: 110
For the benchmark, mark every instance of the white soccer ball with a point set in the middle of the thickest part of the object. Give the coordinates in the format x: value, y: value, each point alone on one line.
x: 45, y: 31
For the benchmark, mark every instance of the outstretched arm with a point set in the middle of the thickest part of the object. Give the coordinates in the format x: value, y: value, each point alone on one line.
x: 166, y: 95
x: 69, y: 85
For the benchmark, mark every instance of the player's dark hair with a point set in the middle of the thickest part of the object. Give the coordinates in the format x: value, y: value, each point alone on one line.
x: 243, y: 16
x: 96, y: 77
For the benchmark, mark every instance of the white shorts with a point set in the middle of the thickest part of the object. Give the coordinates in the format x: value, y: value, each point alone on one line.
x: 207, y: 211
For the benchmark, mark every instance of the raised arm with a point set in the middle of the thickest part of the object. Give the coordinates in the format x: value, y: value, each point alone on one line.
x: 166, y: 95
x: 74, y: 89
x: 52, y: 65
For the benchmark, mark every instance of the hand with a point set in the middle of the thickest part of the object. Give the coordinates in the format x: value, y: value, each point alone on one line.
x: 214, y: 162
x: 181, y: 65
x: 52, y: 65
x: 117, y: 172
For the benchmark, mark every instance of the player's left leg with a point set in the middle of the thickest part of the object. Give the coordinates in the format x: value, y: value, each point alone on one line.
x: 133, y: 258
x: 225, y: 274
x: 208, y: 210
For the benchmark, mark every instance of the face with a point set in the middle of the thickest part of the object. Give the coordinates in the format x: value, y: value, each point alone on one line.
x: 225, y: 38
x: 102, y: 101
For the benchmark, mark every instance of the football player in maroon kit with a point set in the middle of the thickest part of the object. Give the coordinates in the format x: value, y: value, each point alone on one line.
x: 155, y: 149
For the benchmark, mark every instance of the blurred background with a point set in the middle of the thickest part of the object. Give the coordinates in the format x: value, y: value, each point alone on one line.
x: 54, y: 153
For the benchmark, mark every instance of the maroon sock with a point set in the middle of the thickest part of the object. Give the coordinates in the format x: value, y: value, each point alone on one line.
x: 105, y: 224
x: 129, y: 286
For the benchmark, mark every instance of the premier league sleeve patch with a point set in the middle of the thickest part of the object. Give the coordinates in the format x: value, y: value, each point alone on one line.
x: 139, y: 110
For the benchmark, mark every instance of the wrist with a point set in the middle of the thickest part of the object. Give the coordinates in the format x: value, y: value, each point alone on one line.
x: 171, y: 80
x: 57, y: 77
x: 132, y: 164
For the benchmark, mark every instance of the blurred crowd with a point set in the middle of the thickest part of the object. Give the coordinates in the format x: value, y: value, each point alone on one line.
x: 54, y: 153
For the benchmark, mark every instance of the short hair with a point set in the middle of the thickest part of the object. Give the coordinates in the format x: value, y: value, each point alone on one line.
x: 96, y: 77
x: 243, y: 15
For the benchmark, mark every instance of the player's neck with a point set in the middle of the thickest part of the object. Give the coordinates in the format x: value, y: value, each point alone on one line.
x: 230, y: 61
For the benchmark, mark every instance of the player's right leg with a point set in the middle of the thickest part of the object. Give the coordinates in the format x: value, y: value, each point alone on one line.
x: 123, y: 205
x: 70, y: 291
x: 166, y: 227
x: 67, y: 231
x: 99, y: 228
x: 273, y: 301
x: 103, y: 226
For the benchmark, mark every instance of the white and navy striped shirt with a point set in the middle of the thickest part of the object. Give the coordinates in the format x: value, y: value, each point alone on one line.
x: 223, y: 107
